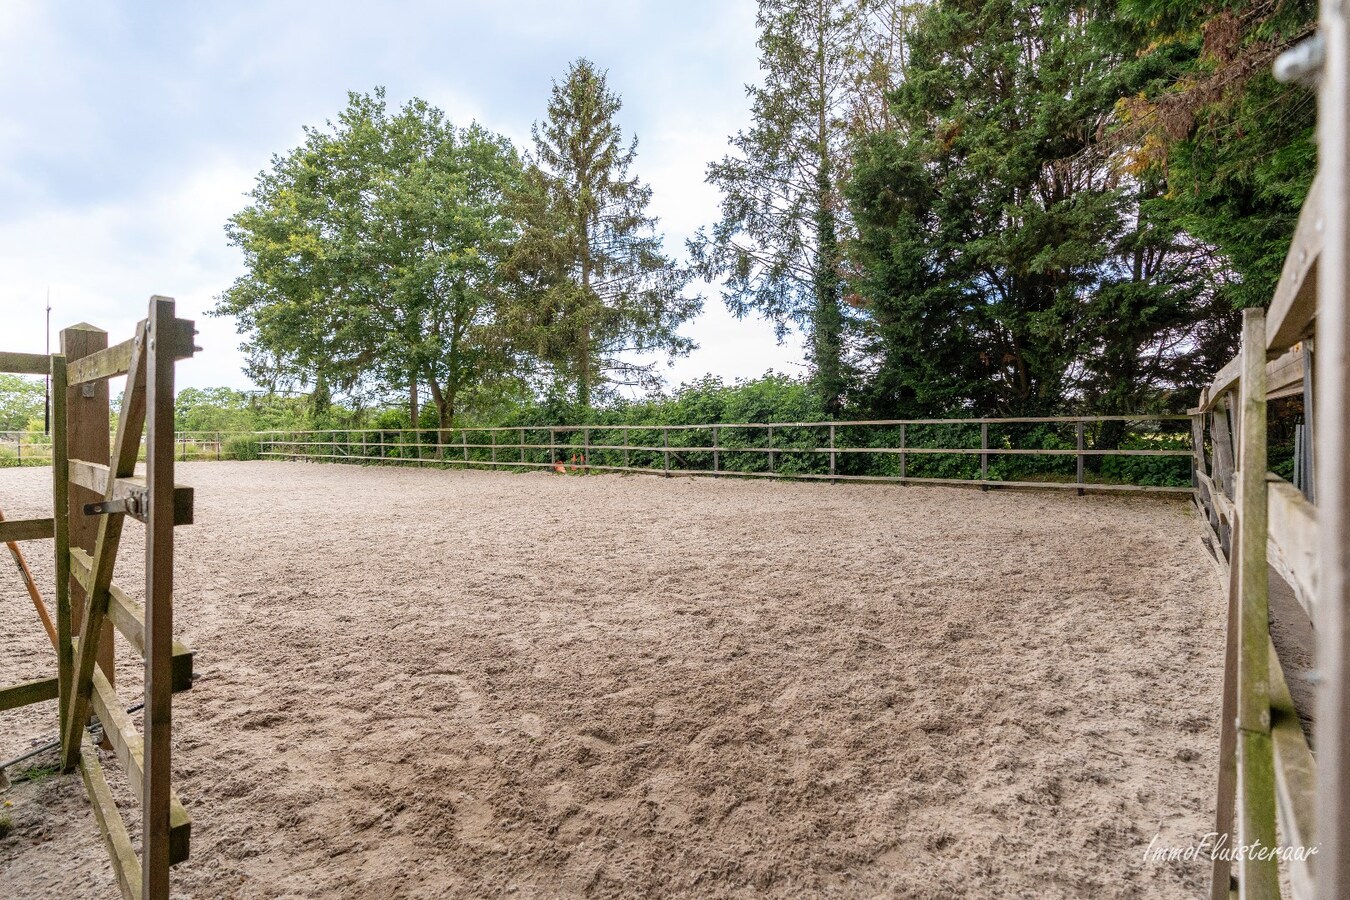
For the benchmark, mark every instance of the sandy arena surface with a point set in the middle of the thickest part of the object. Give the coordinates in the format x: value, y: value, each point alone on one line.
x: 436, y: 684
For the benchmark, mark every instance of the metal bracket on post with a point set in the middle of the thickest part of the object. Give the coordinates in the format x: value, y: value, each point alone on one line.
x: 135, y: 505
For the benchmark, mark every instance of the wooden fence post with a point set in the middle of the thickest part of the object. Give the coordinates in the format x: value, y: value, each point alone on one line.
x: 717, y: 452
x: 770, y: 448
x: 88, y: 421
x: 665, y: 439
x: 65, y: 655
x: 1256, y: 764
x: 161, y: 352
x: 984, y: 456
x: 1198, y: 449
x: 832, y: 471
x: 1079, y: 434
x: 902, y: 450
x: 586, y: 449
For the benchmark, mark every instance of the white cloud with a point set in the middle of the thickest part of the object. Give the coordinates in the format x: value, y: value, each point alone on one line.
x: 129, y: 134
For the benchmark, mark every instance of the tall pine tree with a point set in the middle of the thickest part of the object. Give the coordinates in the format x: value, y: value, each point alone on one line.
x: 777, y: 247
x: 597, y: 297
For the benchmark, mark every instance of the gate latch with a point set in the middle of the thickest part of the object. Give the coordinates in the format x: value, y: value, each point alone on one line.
x: 133, y: 505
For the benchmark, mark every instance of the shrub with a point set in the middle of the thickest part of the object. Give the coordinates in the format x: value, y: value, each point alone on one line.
x: 244, y: 447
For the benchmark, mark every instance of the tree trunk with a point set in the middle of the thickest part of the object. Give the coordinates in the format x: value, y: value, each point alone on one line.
x: 413, y: 409
x: 827, y: 337
x: 584, y: 351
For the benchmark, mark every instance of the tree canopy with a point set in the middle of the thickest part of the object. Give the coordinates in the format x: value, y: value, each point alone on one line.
x: 596, y: 293
x: 374, y: 253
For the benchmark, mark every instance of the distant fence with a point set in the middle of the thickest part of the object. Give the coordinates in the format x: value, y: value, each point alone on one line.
x: 33, y: 448
x: 1130, y: 453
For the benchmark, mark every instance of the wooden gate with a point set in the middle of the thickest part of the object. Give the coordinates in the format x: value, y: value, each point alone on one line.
x: 94, y: 490
x: 1269, y: 781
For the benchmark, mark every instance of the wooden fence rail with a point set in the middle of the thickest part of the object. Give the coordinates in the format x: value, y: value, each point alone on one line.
x: 873, y: 450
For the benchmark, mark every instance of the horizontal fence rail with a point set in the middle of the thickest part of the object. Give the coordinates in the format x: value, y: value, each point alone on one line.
x: 33, y: 448
x: 1131, y: 453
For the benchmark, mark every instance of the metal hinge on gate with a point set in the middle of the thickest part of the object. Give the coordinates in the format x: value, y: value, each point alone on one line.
x: 135, y: 505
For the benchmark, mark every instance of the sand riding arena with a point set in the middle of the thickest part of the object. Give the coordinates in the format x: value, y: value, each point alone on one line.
x: 430, y: 683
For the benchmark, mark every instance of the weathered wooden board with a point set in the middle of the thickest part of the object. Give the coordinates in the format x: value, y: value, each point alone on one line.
x: 24, y: 363
x: 28, y: 692
x: 128, y: 617
x: 130, y: 749
x: 94, y: 477
x: 26, y: 530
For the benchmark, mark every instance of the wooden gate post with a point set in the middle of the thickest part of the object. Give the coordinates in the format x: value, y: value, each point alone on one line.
x: 1331, y: 459
x: 88, y: 422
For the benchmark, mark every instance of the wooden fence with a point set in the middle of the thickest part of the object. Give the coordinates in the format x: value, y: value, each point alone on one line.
x: 1068, y: 452
x: 94, y: 490
x: 1270, y: 783
x: 34, y: 448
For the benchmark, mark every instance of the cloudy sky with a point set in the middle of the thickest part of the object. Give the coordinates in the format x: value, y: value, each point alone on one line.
x: 130, y: 131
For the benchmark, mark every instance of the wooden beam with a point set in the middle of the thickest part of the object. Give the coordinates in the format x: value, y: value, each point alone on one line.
x: 1332, y: 364
x: 1295, y: 778
x: 1255, y: 767
x: 28, y: 692
x: 94, y: 477
x: 116, y: 360
x: 1226, y: 378
x: 126, y: 866
x: 129, y: 426
x: 1222, y: 505
x: 1284, y: 376
x: 85, y: 429
x: 24, y: 363
x: 109, y: 362
x: 1292, y: 548
x: 1221, y: 867
x: 128, y: 617
x: 130, y: 749
x: 65, y: 655
x: 157, y: 836
x: 1294, y: 305
x: 26, y: 530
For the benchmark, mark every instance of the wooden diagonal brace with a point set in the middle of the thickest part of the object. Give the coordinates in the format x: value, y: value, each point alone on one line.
x: 126, y: 449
